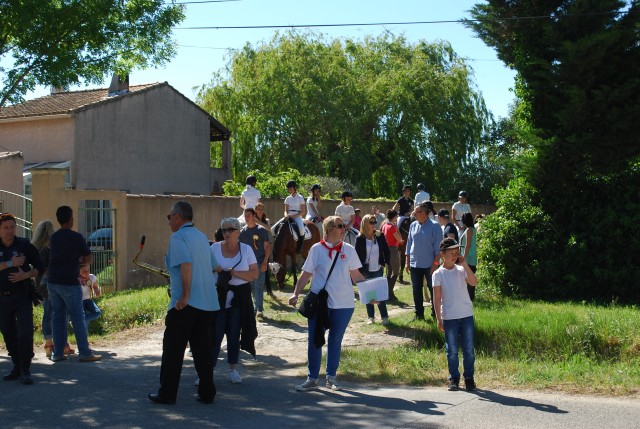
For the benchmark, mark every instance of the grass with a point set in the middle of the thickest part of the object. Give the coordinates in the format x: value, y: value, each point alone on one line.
x: 569, y: 347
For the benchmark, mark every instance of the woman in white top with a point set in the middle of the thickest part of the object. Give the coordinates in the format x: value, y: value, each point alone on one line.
x: 237, y: 266
x: 459, y: 208
x: 313, y: 204
x: 250, y: 196
x: 340, y: 300
x: 348, y: 214
x: 295, y: 209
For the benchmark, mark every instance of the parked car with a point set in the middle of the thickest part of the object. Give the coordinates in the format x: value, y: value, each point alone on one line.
x: 101, y: 239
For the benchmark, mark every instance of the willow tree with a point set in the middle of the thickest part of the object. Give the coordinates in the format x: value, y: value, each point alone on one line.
x: 378, y: 112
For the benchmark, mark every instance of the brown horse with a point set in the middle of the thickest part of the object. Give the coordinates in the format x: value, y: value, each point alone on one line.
x: 404, y: 232
x: 285, y: 245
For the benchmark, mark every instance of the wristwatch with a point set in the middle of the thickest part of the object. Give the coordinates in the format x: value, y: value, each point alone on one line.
x: 9, y: 263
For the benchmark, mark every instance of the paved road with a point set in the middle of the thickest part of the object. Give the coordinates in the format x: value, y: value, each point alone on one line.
x: 112, y: 394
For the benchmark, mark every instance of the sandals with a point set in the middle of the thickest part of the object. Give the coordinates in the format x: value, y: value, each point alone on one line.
x: 48, y: 350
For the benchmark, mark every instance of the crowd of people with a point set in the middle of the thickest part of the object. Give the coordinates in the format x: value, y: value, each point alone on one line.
x: 439, y: 254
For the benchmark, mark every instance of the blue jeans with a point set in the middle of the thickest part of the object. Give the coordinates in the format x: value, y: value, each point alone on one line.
x: 459, y: 332
x: 417, y: 280
x: 228, y: 322
x: 257, y: 289
x: 91, y: 312
x: 47, y: 331
x: 382, y: 305
x: 338, y: 320
x: 68, y: 298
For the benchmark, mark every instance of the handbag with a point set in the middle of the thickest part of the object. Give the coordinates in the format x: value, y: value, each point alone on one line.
x: 309, y: 305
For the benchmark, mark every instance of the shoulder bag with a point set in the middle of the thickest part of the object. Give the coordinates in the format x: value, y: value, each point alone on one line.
x: 309, y: 305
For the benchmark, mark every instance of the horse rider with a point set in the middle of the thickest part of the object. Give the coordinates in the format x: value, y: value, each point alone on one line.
x: 313, y: 204
x: 421, y: 195
x: 348, y: 214
x: 295, y: 209
x: 404, y: 205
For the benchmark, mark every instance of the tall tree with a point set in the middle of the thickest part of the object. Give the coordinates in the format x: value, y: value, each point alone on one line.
x: 378, y: 112
x: 578, y: 64
x: 61, y: 43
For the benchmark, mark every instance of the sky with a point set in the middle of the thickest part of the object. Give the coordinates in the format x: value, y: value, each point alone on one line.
x: 200, y: 53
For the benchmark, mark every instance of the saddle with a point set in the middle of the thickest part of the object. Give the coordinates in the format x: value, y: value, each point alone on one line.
x: 275, y: 229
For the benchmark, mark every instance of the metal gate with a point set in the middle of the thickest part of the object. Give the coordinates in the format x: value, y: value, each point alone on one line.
x: 96, y: 220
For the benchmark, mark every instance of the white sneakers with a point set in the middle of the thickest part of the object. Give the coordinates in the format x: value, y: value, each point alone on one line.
x: 371, y: 320
x: 234, y: 376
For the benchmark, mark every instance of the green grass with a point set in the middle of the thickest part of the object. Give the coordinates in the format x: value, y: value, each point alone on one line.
x: 568, y: 347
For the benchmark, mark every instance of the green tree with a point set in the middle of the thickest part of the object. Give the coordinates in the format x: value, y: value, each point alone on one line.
x: 578, y: 65
x: 62, y: 43
x: 377, y: 113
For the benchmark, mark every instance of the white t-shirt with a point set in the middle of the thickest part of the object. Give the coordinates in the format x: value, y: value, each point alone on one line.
x: 248, y: 258
x: 295, y: 203
x: 345, y: 212
x: 251, y: 197
x: 373, y: 255
x: 456, y: 303
x: 339, y: 286
x: 87, y: 286
x: 312, y: 208
x: 460, y: 210
x: 421, y: 197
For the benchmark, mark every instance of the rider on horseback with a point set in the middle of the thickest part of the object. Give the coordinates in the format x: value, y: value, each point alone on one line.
x: 313, y: 204
x: 347, y: 214
x: 295, y: 210
x: 404, y: 205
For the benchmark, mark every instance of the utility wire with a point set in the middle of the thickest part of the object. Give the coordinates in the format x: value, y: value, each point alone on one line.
x: 366, y: 24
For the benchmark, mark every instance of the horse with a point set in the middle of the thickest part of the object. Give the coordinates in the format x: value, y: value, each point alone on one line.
x: 404, y: 232
x: 285, y: 245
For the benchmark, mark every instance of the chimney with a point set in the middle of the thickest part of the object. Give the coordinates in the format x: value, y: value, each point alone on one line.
x: 118, y: 86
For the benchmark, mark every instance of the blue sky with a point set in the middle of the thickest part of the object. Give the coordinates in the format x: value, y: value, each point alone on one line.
x: 201, y: 52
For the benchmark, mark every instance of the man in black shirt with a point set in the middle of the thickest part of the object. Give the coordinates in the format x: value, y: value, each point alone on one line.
x: 19, y: 262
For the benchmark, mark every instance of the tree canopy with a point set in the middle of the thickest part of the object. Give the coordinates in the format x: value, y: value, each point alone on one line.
x: 578, y: 65
x: 377, y: 113
x: 62, y: 43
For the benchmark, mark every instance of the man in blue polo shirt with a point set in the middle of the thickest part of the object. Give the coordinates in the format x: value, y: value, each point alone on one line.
x: 423, y: 254
x: 194, y: 300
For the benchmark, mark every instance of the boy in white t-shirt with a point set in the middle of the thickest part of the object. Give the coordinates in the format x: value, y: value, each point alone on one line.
x: 454, y: 311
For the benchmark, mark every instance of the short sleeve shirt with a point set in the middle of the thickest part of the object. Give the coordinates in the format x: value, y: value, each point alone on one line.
x: 255, y: 238
x: 421, y: 197
x: 67, y: 246
x: 312, y: 208
x: 405, y: 205
x: 240, y: 261
x: 295, y: 203
x: 456, y: 303
x: 189, y: 245
x: 345, y: 212
x: 388, y: 229
x: 461, y: 209
x: 251, y: 197
x: 339, y: 285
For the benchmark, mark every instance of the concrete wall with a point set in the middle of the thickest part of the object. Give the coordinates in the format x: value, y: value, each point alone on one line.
x: 155, y: 142
x: 11, y: 164
x: 39, y: 140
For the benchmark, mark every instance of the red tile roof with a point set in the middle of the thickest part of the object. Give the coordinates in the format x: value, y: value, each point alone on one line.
x: 67, y: 102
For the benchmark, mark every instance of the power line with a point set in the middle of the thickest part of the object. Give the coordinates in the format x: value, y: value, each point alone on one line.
x: 368, y: 24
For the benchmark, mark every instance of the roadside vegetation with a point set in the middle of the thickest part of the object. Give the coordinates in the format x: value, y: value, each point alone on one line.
x: 570, y: 347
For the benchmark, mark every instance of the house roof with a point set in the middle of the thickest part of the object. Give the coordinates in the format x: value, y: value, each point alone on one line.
x: 65, y: 103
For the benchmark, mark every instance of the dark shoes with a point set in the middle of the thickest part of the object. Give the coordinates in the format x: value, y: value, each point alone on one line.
x: 469, y: 384
x: 13, y: 375
x: 154, y: 397
x: 454, y: 384
x: 25, y: 378
x: 199, y: 399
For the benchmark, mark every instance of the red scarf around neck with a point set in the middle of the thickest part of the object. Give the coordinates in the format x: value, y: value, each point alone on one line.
x: 337, y: 247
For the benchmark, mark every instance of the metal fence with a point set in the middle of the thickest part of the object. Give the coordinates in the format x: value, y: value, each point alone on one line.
x: 20, y: 207
x: 96, y: 220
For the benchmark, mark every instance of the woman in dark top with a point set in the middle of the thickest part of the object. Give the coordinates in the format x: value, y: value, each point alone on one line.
x: 373, y: 251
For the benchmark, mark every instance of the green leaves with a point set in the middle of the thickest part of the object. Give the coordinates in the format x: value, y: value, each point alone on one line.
x: 64, y: 43
x: 378, y: 113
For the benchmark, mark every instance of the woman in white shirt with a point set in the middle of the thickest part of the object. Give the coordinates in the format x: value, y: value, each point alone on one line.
x: 295, y: 209
x: 340, y: 300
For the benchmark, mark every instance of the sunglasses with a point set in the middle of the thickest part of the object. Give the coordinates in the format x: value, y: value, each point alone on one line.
x: 228, y: 230
x: 339, y: 225
x: 373, y: 222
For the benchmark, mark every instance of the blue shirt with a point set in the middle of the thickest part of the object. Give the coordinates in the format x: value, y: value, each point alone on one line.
x: 189, y: 245
x: 423, y: 243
